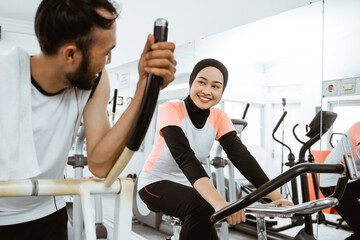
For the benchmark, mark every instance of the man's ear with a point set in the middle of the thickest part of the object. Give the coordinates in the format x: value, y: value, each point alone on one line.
x: 71, y: 53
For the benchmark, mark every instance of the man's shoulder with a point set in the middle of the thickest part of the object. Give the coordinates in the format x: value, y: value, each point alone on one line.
x: 14, y: 51
x: 12, y: 57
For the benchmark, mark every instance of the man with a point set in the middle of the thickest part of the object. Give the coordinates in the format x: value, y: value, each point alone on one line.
x: 68, y: 82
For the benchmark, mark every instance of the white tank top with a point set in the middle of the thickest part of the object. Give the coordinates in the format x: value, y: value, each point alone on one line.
x: 56, y: 120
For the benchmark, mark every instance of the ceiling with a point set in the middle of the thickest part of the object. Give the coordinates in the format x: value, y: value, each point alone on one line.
x: 189, y: 20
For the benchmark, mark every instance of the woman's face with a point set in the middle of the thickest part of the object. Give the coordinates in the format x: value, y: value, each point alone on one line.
x: 207, y: 88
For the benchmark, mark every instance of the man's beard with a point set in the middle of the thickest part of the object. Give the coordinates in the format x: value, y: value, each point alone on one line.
x: 82, y: 78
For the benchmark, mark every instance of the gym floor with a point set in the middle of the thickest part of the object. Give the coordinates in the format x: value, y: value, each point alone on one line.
x: 143, y: 232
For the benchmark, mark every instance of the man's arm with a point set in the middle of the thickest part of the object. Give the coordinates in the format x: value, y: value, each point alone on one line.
x: 105, y: 144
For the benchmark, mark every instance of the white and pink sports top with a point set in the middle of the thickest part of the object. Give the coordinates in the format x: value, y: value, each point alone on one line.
x: 161, y: 165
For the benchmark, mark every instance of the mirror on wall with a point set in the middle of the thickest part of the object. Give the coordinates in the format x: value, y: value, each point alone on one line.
x: 274, y: 65
x: 341, y: 74
x: 272, y: 51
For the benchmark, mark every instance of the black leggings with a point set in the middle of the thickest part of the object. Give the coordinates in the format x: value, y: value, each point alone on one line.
x: 183, y: 202
x: 52, y: 227
x: 349, y: 206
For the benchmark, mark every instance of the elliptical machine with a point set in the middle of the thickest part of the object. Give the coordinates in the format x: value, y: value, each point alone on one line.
x: 320, y: 218
x: 317, y: 127
x: 327, y: 120
x: 304, y: 209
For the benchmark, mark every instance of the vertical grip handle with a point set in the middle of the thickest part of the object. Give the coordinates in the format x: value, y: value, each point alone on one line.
x: 151, y: 94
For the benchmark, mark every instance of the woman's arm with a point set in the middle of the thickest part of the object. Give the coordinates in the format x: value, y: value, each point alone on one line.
x: 247, y: 165
x: 242, y: 159
x: 207, y: 190
x: 184, y: 156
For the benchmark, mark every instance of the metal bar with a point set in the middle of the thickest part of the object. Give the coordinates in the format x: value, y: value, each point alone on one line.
x: 271, y: 210
x: 54, y: 187
x: 124, y: 188
x: 123, y: 210
x: 77, y: 218
x: 261, y: 227
x: 274, y: 184
x: 88, y: 216
x: 349, y: 158
x: 232, y: 188
x: 220, y: 186
x: 77, y: 209
x: 118, y: 167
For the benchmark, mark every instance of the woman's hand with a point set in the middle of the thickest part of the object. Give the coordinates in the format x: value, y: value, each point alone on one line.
x: 282, y: 202
x: 235, y: 218
x: 278, y: 200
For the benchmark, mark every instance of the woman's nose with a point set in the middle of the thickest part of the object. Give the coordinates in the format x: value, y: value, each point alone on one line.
x: 206, y: 90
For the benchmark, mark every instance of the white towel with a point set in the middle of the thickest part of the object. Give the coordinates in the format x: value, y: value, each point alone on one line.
x: 17, y: 149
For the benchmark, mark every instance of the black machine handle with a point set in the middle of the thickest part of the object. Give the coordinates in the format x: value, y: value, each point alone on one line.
x: 276, y: 183
x: 279, y: 122
x: 331, y: 138
x: 114, y: 103
x: 245, y: 111
x: 151, y: 94
x: 276, y: 128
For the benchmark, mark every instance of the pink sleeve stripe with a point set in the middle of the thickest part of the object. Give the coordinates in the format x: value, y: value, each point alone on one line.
x: 154, y: 157
x: 220, y: 122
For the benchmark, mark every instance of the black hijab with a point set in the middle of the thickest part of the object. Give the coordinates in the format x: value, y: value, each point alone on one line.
x: 199, y: 116
x: 209, y: 62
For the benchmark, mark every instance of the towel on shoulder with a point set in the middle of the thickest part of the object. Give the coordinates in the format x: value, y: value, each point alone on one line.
x: 17, y: 149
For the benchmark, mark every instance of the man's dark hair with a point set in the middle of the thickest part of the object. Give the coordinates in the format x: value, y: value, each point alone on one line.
x: 58, y: 22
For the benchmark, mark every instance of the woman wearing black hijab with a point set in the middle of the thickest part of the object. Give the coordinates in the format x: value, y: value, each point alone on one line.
x: 173, y: 180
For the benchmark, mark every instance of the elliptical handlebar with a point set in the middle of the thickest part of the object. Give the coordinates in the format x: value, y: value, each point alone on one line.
x: 276, y: 128
x: 245, y: 111
x: 294, y: 133
x: 305, y: 208
x: 147, y: 108
x: 276, y: 183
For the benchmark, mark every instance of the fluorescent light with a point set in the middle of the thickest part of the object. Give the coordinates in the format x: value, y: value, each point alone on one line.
x: 176, y: 87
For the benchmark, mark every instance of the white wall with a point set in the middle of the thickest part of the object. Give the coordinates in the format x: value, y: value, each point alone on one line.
x: 18, y: 33
x: 267, y: 59
x: 263, y: 68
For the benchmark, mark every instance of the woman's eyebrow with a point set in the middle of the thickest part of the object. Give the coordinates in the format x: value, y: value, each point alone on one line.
x: 218, y: 82
x: 215, y: 81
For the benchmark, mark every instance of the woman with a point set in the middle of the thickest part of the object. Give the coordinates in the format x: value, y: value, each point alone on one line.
x: 173, y: 180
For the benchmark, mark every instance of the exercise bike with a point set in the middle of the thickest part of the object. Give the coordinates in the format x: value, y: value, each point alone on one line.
x: 306, y: 208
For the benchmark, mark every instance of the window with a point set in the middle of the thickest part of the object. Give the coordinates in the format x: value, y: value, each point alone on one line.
x: 252, y: 135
